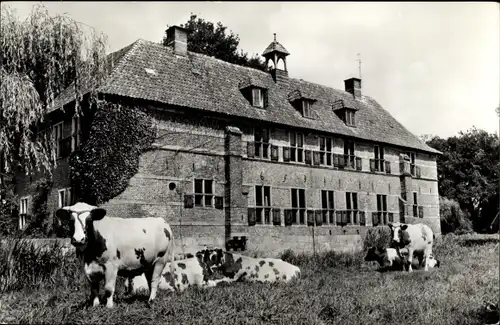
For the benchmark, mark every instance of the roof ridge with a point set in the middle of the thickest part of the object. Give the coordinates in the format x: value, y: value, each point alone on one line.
x: 121, y: 61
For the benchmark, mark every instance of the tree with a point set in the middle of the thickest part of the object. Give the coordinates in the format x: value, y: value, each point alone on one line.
x: 205, y: 38
x: 40, y: 57
x: 468, y: 171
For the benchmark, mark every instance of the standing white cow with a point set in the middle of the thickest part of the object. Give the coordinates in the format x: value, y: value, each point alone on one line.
x: 114, y: 246
x: 414, y: 237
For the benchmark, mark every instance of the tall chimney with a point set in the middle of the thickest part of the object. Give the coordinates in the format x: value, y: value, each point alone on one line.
x: 353, y: 86
x: 177, y: 39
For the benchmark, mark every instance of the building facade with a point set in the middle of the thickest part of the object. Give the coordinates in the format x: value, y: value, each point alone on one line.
x: 247, y: 159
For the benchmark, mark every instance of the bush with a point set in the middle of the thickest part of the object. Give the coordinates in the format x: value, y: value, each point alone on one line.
x: 453, y: 219
x: 377, y: 237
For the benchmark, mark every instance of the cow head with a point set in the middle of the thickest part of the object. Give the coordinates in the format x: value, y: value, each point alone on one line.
x: 211, y: 258
x: 373, y: 254
x: 80, y: 217
x: 399, y: 235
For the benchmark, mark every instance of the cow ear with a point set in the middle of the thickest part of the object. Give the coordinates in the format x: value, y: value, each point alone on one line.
x: 63, y: 214
x: 403, y: 227
x: 97, y: 214
x: 390, y: 225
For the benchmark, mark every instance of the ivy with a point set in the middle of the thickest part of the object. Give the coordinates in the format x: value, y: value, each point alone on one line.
x: 38, y: 225
x: 103, y: 166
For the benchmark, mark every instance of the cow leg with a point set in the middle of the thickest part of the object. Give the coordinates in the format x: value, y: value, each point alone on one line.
x: 94, y: 291
x: 109, y: 287
x: 155, y: 279
x: 427, y: 254
x: 410, y: 259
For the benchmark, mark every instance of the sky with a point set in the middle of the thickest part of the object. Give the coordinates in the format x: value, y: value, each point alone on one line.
x: 435, y: 66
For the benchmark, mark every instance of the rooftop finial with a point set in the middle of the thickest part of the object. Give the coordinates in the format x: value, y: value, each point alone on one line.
x: 274, y: 37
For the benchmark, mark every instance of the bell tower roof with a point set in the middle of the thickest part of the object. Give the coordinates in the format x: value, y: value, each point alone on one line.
x: 275, y: 47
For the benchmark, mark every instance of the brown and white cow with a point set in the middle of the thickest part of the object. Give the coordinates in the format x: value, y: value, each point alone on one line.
x: 113, y: 246
x: 416, y: 238
x: 237, y: 267
x: 390, y: 259
x: 185, y: 273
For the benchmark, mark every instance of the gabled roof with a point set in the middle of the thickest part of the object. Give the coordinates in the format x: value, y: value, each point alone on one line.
x: 150, y: 71
x: 275, y: 46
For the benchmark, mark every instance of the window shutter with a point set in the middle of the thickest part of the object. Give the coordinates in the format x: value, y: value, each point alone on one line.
x: 316, y: 158
x: 288, y: 217
x: 375, y: 218
x: 274, y: 153
x: 286, y: 154
x: 387, y: 167
x: 252, y: 217
x: 310, y: 217
x: 338, y: 218
x: 419, y: 172
x: 188, y: 201
x: 372, y: 165
x: 276, y: 217
x: 250, y: 149
x: 319, y: 217
x: 219, y: 202
x: 308, y: 157
x: 362, y: 220
x: 358, y: 163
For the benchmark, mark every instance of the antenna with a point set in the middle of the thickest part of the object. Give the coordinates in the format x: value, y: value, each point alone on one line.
x: 274, y: 37
x: 359, y: 65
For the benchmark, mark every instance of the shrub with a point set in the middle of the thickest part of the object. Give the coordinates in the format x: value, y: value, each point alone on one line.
x: 377, y: 237
x: 453, y: 219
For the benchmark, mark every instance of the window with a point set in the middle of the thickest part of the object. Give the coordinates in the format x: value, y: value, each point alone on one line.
x: 257, y: 97
x: 203, y: 193
x: 415, y: 204
x: 65, y: 197
x: 58, y: 136
x: 328, y: 206
x: 261, y: 136
x: 349, y: 117
x: 296, y: 147
x: 351, y: 200
x: 75, y: 133
x: 263, y: 204
x: 325, y: 150
x: 299, y: 206
x: 412, y: 162
x: 379, y: 159
x: 23, y: 211
x: 382, y: 208
x: 349, y: 156
x: 306, y: 108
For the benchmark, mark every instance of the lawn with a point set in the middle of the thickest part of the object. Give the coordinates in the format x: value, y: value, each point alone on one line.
x: 333, y: 289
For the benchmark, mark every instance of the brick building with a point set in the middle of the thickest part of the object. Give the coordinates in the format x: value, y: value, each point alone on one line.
x: 259, y: 156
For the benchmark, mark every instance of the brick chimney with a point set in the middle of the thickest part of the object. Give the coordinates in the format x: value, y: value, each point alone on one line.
x: 177, y: 39
x: 353, y: 86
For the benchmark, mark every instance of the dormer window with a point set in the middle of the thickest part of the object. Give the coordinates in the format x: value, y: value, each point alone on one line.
x: 306, y: 108
x: 349, y: 117
x: 258, y: 97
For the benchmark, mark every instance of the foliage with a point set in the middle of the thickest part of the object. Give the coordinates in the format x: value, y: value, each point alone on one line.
x: 453, y: 219
x: 377, y: 237
x: 40, y: 57
x: 38, y: 225
x: 469, y: 169
x: 103, y: 166
x: 454, y: 294
x: 205, y: 38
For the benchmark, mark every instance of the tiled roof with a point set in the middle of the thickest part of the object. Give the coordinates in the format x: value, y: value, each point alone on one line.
x: 150, y: 71
x: 275, y: 46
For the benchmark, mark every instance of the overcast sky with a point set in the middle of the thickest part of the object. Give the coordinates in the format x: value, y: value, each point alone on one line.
x: 434, y: 66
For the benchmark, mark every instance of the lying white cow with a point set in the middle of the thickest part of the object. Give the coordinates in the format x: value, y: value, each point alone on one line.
x: 415, y: 238
x: 118, y: 246
x: 389, y: 258
x: 236, y: 267
x: 184, y: 274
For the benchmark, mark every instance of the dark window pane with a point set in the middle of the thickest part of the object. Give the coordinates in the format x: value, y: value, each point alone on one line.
x: 258, y: 216
x: 294, y: 198
x: 258, y: 196
x: 300, y: 155
x: 330, y: 200
x: 322, y: 143
x: 302, y: 198
x: 258, y: 134
x: 208, y: 186
x: 198, y: 200
x: 300, y: 140
x: 384, y: 203
x: 324, y: 202
x: 267, y: 196
x: 348, y: 200
x: 265, y: 150
x: 302, y: 217
x: 198, y: 186
x: 265, y: 135
x: 379, y: 205
x: 328, y: 144
x: 208, y: 200
x: 292, y: 139
x: 355, y: 201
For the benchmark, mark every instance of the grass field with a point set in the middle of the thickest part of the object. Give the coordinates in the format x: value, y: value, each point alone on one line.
x: 333, y: 289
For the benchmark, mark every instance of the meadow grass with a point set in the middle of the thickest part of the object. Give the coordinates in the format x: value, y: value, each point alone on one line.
x: 42, y: 286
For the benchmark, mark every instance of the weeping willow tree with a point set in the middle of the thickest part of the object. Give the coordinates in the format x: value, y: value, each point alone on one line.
x: 40, y: 57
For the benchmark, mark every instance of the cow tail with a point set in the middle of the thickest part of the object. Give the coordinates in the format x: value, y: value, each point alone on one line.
x: 172, y: 259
